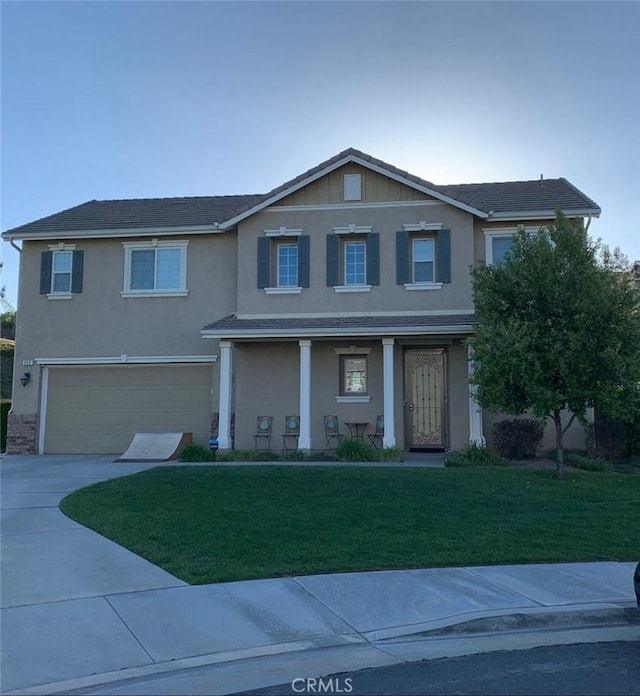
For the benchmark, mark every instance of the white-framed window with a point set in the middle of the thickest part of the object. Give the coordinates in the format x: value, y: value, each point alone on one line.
x: 352, y: 187
x: 155, y: 268
x: 355, y: 262
x: 499, y: 240
x: 61, y: 267
x: 287, y: 258
x: 423, y: 260
x: 353, y: 375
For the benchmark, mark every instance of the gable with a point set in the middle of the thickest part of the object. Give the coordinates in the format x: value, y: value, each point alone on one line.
x: 329, y: 189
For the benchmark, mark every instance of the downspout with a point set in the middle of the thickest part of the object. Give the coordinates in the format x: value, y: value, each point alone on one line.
x: 586, y: 229
x: 15, y: 246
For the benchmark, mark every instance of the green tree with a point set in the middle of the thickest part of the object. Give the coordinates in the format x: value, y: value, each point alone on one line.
x: 559, y: 329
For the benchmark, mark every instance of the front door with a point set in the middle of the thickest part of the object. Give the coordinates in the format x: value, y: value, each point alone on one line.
x: 424, y: 398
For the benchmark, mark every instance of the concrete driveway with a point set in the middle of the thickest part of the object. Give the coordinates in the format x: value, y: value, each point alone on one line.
x: 80, y: 612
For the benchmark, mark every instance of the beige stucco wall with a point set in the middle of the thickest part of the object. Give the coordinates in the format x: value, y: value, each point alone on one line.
x: 386, y: 297
x: 99, y: 322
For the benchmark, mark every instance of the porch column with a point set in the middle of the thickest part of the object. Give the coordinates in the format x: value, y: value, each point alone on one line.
x: 224, y: 421
x: 389, y: 438
x: 475, y: 412
x: 304, y: 439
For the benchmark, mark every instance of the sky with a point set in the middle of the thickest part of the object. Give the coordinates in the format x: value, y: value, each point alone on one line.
x: 104, y: 100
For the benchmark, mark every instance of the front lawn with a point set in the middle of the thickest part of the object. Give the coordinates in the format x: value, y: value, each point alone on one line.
x: 214, y: 524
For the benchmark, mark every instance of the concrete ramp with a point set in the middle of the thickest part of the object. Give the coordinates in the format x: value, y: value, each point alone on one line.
x: 155, y: 447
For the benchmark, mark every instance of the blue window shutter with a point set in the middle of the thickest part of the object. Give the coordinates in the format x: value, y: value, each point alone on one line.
x: 373, y: 258
x: 264, y: 245
x: 402, y: 257
x: 46, y: 263
x: 443, y: 251
x: 76, y: 271
x: 303, y: 261
x: 333, y: 260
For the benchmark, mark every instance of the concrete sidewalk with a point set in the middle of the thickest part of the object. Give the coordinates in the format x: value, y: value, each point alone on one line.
x: 80, y: 613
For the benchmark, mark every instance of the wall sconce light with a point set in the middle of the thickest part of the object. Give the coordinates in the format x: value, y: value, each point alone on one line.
x: 25, y: 379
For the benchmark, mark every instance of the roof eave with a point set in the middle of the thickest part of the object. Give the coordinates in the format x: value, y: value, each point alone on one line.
x: 10, y: 235
x: 230, y: 334
x: 543, y: 214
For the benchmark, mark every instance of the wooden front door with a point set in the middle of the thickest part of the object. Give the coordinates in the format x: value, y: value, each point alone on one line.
x: 424, y: 398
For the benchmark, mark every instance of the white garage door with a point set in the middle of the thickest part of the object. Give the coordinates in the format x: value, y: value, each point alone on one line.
x: 97, y: 410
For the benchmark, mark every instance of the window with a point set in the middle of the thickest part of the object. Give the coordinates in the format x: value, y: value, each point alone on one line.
x: 155, y: 268
x: 353, y: 261
x: 353, y: 375
x: 499, y: 247
x: 283, y: 262
x: 352, y: 187
x: 61, y: 271
x: 423, y: 260
x: 287, y: 265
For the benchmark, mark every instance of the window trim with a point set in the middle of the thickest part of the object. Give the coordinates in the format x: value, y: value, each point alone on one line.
x: 155, y: 244
x: 492, y: 232
x: 280, y: 244
x: 423, y: 238
x: 60, y: 293
x: 345, y: 243
x: 342, y: 390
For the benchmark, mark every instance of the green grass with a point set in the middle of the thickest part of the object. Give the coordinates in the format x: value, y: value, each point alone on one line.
x: 211, y: 524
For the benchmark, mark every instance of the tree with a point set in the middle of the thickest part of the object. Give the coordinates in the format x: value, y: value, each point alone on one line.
x: 558, y: 330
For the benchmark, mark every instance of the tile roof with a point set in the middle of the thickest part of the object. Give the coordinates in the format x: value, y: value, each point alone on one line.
x: 231, y: 325
x: 141, y: 213
x: 202, y: 211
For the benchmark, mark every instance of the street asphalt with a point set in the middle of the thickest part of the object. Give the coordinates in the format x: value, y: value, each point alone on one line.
x: 82, y: 614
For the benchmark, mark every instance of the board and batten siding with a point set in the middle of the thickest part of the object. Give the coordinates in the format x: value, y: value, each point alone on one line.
x: 329, y: 190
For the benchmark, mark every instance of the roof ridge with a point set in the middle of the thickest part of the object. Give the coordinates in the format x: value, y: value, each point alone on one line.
x: 172, y: 198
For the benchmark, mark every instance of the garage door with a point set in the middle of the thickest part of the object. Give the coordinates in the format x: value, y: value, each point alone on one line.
x: 97, y: 410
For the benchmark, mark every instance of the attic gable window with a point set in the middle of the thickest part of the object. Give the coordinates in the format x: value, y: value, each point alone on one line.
x: 353, y: 187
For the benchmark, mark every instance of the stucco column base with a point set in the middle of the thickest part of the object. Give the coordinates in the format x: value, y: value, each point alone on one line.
x: 22, y: 433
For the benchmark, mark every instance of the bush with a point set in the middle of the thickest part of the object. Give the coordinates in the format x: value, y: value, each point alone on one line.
x: 249, y: 456
x: 474, y: 455
x: 390, y: 454
x: 355, y: 451
x: 582, y: 461
x: 196, y: 453
x: 517, y: 438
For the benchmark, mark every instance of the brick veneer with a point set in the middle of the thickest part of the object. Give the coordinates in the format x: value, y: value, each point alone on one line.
x: 22, y: 433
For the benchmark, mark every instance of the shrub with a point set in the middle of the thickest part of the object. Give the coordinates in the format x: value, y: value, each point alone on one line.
x: 582, y: 461
x: 390, y: 454
x: 196, y: 453
x: 355, y: 451
x: 474, y: 455
x: 517, y: 438
x: 294, y: 456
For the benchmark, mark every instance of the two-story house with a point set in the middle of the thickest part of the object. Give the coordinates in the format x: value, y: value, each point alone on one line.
x: 344, y: 291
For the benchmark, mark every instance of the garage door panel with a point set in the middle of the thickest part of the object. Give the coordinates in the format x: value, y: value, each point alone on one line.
x: 98, y: 410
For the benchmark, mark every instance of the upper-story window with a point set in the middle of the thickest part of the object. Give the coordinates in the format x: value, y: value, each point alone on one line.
x: 423, y: 260
x: 353, y: 259
x: 355, y: 262
x: 352, y: 187
x: 155, y: 268
x: 287, y: 265
x: 499, y: 240
x: 283, y: 261
x: 423, y: 257
x: 61, y: 270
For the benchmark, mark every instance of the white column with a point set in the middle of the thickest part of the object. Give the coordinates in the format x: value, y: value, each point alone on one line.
x: 389, y: 438
x: 475, y: 412
x: 304, y: 439
x: 224, y: 422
